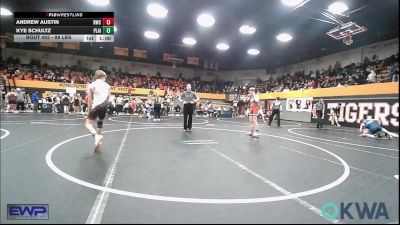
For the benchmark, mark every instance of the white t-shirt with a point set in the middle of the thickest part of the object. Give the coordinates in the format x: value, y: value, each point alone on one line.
x: 235, y: 103
x: 101, y: 91
x: 111, y: 98
x: 120, y: 101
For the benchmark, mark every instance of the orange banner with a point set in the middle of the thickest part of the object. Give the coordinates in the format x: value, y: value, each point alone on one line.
x: 79, y: 87
x: 114, y: 89
x: 49, y: 44
x: 211, y: 96
x: 71, y: 45
x: 121, y: 51
x: 192, y: 61
x: 137, y: 53
x: 167, y: 57
x: 358, y: 90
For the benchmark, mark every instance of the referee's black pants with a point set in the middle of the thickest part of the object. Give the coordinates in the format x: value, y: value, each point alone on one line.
x: 21, y: 105
x: 157, y: 111
x: 120, y: 108
x: 187, y: 115
x: 276, y: 112
x: 319, y: 119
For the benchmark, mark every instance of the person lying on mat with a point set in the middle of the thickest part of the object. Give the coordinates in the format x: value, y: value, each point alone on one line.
x: 374, y: 129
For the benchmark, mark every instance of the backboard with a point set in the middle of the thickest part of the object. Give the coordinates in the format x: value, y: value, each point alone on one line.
x: 344, y: 30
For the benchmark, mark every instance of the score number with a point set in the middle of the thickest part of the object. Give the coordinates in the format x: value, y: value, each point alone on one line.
x: 108, y: 25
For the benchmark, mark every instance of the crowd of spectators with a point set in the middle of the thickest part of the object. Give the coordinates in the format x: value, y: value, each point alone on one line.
x: 336, y: 76
x: 333, y: 76
x: 18, y: 101
x: 11, y: 68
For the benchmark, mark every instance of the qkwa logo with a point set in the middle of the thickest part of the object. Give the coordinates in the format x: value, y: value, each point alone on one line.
x: 376, y: 210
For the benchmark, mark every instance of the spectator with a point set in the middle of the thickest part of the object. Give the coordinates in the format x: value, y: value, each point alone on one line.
x: 371, y: 76
x: 120, y: 103
x: 77, y: 103
x: 112, y: 105
x: 40, y: 103
x: 65, y: 103
x: 35, y: 101
x: 85, y: 103
x: 395, y: 77
x: 394, y: 73
x: 57, y: 103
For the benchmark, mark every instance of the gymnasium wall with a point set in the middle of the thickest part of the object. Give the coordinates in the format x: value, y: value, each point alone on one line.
x: 242, y: 75
x: 381, y: 49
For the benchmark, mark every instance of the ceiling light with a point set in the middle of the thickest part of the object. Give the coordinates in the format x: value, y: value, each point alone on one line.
x: 338, y: 8
x: 151, y: 35
x: 5, y: 12
x: 189, y: 41
x: 253, y: 51
x: 99, y: 2
x: 246, y: 29
x: 292, y: 2
x: 205, y: 20
x: 222, y: 46
x: 157, y: 10
x: 284, y: 37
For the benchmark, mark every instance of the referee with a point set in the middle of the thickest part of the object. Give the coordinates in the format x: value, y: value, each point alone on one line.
x: 276, y: 108
x: 157, y: 106
x: 188, y: 98
x: 319, y: 109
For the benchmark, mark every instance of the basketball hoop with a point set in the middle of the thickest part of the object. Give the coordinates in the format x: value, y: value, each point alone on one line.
x: 345, y: 32
x: 175, y: 62
x: 347, y: 39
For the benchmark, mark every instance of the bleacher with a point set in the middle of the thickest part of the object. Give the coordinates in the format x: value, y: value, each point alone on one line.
x: 261, y: 85
x: 220, y: 103
x: 383, y: 75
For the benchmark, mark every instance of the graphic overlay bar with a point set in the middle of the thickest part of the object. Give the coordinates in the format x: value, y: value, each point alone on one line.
x: 63, y: 22
x: 64, y: 26
x: 62, y: 30
x: 63, y: 14
x: 63, y: 38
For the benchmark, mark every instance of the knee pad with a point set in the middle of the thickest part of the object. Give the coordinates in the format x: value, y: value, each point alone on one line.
x: 99, y: 124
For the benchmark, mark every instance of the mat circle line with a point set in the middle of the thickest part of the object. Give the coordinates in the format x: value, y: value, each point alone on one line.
x: 6, y: 133
x: 68, y: 177
x: 247, y: 123
x: 157, y: 124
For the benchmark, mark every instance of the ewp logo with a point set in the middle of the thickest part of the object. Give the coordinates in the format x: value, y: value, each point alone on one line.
x: 376, y: 211
x: 27, y: 211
